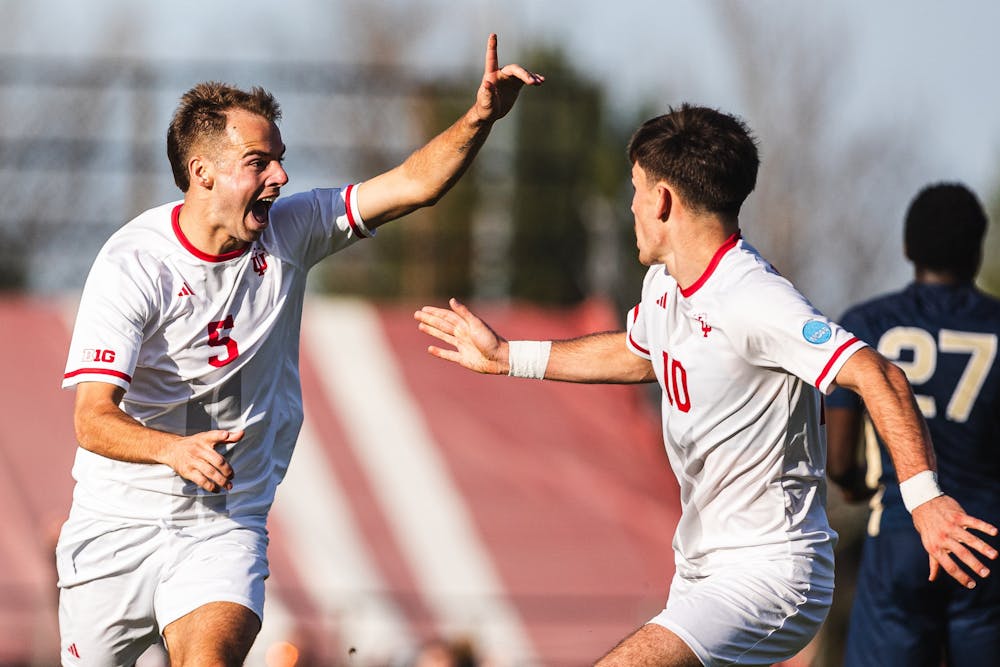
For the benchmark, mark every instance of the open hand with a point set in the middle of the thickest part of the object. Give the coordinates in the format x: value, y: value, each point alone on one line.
x: 944, y: 529
x: 476, y: 346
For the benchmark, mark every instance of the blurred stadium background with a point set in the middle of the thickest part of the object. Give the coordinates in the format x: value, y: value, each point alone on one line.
x: 525, y: 522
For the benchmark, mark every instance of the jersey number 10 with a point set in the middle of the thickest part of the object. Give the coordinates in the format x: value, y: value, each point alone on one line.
x: 675, y: 383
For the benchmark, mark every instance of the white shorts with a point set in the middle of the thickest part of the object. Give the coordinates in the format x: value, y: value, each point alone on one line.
x: 121, y: 585
x: 748, y: 615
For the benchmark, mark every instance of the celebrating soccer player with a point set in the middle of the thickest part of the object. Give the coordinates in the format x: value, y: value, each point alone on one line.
x: 742, y: 359
x: 185, y: 363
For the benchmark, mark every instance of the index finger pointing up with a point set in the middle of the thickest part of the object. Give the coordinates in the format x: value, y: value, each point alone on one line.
x: 492, y: 64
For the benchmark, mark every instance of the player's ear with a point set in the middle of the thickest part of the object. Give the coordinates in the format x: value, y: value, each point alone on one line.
x: 664, y: 201
x: 201, y: 172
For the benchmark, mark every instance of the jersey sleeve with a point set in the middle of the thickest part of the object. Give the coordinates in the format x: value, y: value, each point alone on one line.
x: 635, y: 329
x: 636, y: 338
x: 777, y: 327
x: 840, y: 397
x: 115, y: 306
x: 309, y: 226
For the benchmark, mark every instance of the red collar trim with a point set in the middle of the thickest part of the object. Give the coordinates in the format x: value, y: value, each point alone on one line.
x: 175, y: 221
x: 729, y: 244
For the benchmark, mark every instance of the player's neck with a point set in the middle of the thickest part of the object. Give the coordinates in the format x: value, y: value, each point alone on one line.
x: 202, y: 227
x: 931, y: 277
x: 697, y: 245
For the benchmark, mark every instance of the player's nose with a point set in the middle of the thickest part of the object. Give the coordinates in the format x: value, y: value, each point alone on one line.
x: 278, y: 176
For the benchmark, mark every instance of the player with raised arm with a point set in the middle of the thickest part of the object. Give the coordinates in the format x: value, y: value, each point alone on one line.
x: 943, y: 333
x: 742, y: 360
x: 185, y: 361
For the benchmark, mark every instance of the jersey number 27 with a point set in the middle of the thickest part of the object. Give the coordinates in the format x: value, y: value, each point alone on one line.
x: 981, y: 348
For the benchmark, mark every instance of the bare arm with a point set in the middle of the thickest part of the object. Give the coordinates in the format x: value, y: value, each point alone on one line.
x: 102, y: 428
x: 431, y: 171
x: 943, y: 525
x: 889, y: 401
x: 595, y: 358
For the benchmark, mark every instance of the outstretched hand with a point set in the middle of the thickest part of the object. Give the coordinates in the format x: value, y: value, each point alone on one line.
x: 944, y: 529
x: 476, y: 346
x: 500, y: 87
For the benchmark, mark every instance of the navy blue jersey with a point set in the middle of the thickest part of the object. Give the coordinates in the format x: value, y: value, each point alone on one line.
x: 945, y: 339
x: 900, y: 618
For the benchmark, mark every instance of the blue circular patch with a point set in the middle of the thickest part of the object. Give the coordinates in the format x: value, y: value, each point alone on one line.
x: 816, y: 332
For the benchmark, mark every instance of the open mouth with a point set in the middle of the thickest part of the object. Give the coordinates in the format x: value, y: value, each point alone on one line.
x: 260, y: 210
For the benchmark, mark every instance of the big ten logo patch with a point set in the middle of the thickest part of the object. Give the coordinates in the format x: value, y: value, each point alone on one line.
x: 106, y: 356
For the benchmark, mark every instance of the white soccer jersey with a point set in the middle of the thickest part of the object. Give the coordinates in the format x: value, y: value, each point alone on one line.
x: 201, y: 342
x: 735, y: 355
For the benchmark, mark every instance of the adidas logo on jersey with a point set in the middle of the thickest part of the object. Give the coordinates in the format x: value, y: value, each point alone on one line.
x: 662, y: 301
x: 186, y: 290
x: 72, y: 650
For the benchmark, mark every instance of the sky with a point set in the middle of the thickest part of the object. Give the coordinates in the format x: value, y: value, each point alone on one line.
x: 926, y: 66
x: 928, y: 61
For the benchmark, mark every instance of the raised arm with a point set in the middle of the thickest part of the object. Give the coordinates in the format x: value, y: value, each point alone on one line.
x: 431, y: 171
x: 595, y: 358
x: 943, y: 525
x: 102, y: 428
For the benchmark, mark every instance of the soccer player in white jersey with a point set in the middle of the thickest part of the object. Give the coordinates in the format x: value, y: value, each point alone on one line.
x: 185, y: 361
x: 742, y: 360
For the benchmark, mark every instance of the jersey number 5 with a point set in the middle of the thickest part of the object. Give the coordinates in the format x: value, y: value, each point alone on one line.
x: 981, y: 348
x: 217, y: 337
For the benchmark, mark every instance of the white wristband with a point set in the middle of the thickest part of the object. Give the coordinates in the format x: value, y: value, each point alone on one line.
x: 920, y: 488
x: 528, y: 358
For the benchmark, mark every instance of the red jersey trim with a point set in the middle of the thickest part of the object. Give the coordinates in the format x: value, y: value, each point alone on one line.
x: 729, y: 244
x: 98, y: 371
x: 355, y: 227
x: 833, y: 359
x: 636, y: 345
x: 635, y: 316
x: 175, y: 220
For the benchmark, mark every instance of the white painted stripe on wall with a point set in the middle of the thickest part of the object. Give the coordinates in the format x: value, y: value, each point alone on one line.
x: 332, y: 558
x: 423, y: 505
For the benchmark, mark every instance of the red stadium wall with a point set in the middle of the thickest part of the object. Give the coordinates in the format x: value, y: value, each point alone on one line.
x: 565, y: 490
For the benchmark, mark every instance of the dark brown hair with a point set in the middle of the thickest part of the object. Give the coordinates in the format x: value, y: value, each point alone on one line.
x: 201, y: 115
x: 708, y: 156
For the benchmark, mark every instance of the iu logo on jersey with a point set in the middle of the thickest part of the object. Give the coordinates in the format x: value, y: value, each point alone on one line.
x: 259, y: 260
x: 705, y: 326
